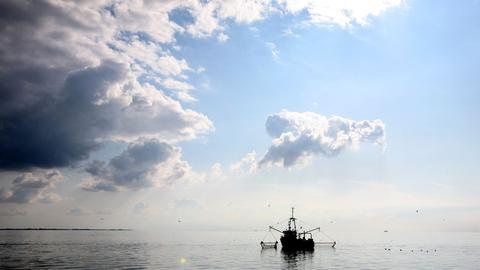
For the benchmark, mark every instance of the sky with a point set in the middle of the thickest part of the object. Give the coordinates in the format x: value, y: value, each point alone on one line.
x: 222, y: 115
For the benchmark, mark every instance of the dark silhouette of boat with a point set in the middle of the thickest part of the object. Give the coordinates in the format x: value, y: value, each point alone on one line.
x: 292, y: 240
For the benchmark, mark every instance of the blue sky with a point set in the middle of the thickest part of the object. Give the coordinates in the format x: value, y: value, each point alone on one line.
x: 411, y: 65
x: 414, y: 68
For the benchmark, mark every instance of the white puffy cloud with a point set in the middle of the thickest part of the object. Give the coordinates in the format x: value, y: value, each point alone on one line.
x: 216, y: 171
x: 244, y: 11
x: 289, y: 33
x: 246, y: 165
x: 150, y: 17
x: 222, y: 37
x: 145, y: 163
x: 28, y: 188
x: 300, y: 136
x: 342, y: 13
x: 205, y: 20
x: 148, y: 57
x: 273, y: 50
x: 209, y: 15
x: 177, y: 85
x: 181, y: 88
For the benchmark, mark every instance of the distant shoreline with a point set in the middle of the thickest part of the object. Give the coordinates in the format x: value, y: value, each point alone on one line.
x: 60, y: 229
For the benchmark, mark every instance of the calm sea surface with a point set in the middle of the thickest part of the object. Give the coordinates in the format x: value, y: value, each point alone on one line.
x: 232, y: 250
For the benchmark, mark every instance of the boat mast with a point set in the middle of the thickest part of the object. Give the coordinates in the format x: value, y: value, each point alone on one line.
x: 290, y: 221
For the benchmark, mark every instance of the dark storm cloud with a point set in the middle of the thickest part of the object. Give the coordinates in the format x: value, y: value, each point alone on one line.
x: 60, y: 130
x: 30, y: 12
x: 143, y: 164
x: 32, y: 71
x: 57, y: 131
x: 35, y: 56
x: 60, y: 96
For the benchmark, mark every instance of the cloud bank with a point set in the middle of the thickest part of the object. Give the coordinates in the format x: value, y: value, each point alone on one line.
x: 94, y: 105
x: 28, y: 188
x: 68, y: 85
x: 341, y: 13
x: 147, y: 163
x: 300, y: 136
x: 76, y: 75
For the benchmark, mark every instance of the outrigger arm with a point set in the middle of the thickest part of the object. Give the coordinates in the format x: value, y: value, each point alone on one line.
x: 270, y: 227
x: 318, y: 228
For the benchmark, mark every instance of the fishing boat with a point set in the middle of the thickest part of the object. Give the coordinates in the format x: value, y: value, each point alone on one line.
x: 293, y: 240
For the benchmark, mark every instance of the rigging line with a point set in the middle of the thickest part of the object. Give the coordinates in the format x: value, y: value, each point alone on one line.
x: 281, y: 221
x: 273, y: 236
x: 271, y: 233
x: 302, y: 221
x: 327, y: 236
x: 265, y: 236
x: 306, y: 223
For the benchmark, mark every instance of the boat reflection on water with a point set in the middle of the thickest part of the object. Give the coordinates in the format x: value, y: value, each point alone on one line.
x: 297, y: 259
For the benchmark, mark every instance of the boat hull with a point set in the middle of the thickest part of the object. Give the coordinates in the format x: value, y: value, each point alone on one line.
x: 293, y: 243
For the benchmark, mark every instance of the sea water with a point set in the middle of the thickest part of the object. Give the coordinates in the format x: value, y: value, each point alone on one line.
x: 233, y: 250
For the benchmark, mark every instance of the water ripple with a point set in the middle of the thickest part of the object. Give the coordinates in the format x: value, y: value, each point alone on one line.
x: 116, y: 250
